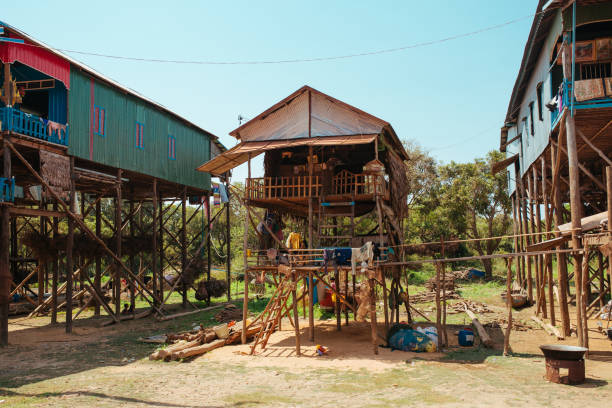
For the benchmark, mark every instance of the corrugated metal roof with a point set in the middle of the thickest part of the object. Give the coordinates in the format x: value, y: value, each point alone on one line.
x: 111, y: 82
x: 239, y: 154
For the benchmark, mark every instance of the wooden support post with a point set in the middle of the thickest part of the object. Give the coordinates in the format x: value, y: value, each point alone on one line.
x: 69, y: 247
x: 296, y: 317
x: 184, y: 284
x: 385, y: 297
x: 582, y: 306
x: 539, y: 238
x: 228, y: 235
x: 41, y: 273
x: 206, y: 207
x: 118, y: 235
x: 548, y: 274
x: 373, y: 323
x: 519, y: 210
x: 508, y: 307
x: 5, y: 217
x: 245, y: 302
x: 132, y: 259
x: 576, y: 212
x: 98, y: 275
x: 154, y: 241
x: 444, y: 333
x: 562, y: 274
x: 529, y: 202
x: 160, y: 246
x: 55, y: 272
x: 310, y: 306
x: 438, y: 307
x: 346, y: 309
x: 609, y: 205
x: 337, y: 305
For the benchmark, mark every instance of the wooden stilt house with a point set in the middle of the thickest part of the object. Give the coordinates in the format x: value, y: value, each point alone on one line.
x: 72, y: 137
x: 558, y: 137
x: 328, y: 163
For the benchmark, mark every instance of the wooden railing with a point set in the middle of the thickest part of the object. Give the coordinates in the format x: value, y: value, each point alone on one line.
x: 31, y: 125
x: 283, y: 187
x: 344, y: 183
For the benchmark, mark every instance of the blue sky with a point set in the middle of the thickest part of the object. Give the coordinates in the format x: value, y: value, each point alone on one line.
x: 450, y: 97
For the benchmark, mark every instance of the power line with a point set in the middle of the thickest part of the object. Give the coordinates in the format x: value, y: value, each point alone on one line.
x: 302, y: 60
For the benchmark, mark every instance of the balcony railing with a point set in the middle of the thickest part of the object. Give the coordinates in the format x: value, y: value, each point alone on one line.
x: 298, y: 187
x: 31, y: 125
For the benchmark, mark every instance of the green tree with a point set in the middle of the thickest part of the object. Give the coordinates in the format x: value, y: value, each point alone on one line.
x: 476, y: 203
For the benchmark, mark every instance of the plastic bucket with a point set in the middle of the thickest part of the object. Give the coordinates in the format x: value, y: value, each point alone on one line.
x: 222, y: 331
x: 466, y: 338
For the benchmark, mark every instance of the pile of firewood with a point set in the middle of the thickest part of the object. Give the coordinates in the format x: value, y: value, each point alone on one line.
x: 198, y: 341
x: 474, y: 306
x: 502, y: 323
x: 426, y: 297
x: 447, y: 283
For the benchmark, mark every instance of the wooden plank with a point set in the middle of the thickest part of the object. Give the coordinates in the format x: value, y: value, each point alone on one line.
x: 484, y: 336
x: 35, y: 212
x: 586, y: 224
x: 545, y: 245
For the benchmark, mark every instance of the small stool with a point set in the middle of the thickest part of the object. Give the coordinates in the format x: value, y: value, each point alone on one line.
x: 575, y: 370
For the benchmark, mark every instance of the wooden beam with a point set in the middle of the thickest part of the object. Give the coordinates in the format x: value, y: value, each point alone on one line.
x: 593, y: 147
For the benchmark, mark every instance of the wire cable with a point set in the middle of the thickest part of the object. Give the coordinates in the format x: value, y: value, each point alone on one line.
x: 300, y: 60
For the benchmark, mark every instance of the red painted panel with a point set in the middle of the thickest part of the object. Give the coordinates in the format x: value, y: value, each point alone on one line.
x: 36, y: 57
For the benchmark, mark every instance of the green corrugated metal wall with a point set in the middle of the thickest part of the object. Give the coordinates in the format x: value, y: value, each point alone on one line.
x: 118, y: 147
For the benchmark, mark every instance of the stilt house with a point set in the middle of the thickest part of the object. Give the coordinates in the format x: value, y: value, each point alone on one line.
x: 558, y: 138
x: 71, y: 137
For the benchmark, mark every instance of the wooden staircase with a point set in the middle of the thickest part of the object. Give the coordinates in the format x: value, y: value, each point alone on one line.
x: 333, y: 231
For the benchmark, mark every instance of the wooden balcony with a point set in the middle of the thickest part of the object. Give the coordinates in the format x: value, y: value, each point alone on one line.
x: 344, y: 186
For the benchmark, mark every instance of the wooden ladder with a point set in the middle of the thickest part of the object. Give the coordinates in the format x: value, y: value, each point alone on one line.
x: 325, y: 223
x: 275, y: 310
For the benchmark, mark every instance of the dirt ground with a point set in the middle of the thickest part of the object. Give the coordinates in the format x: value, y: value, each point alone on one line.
x: 108, y: 367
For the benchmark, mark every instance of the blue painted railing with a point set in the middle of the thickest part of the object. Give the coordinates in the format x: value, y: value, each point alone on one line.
x: 565, y: 95
x: 32, y: 125
x: 7, y: 190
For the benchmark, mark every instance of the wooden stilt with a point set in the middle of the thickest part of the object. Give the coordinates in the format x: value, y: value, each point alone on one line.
x: 530, y: 199
x: 208, y: 248
x: 562, y: 275
x: 346, y: 292
x: 184, y: 284
x: 385, y: 297
x: 228, y: 235
x: 508, y: 307
x: 310, y: 306
x: 132, y: 259
x: 584, y: 298
x: 5, y: 217
x: 373, y: 323
x: 154, y: 229
x: 296, y: 317
x: 98, y: 273
x: 548, y: 274
x: 160, y: 246
x: 438, y: 307
x: 54, y: 272
x: 69, y: 247
x: 245, y: 302
x: 118, y: 236
x: 338, y: 312
x: 576, y: 212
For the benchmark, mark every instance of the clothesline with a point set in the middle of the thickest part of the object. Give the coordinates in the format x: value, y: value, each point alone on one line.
x: 474, y: 239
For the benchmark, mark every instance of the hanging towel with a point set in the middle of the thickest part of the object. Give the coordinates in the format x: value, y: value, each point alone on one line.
x: 223, y: 193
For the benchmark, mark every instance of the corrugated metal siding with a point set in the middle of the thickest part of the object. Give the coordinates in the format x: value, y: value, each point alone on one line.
x: 57, y: 103
x: 118, y: 147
